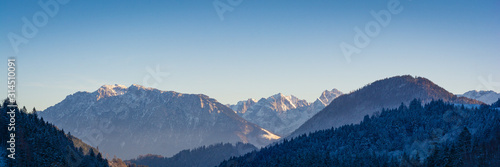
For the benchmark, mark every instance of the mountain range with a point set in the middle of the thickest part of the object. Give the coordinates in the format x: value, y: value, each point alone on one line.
x: 135, y: 120
x: 487, y: 97
x: 282, y: 114
x: 435, y: 134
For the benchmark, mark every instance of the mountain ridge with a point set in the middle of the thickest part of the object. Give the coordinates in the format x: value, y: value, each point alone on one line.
x: 151, y: 121
x: 487, y: 97
x: 281, y: 113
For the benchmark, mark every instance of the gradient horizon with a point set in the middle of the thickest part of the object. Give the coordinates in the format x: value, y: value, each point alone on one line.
x: 259, y: 48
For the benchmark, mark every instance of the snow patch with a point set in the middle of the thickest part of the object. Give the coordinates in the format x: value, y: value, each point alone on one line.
x: 269, y: 135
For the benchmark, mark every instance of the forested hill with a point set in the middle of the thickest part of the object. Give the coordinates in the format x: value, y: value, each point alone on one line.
x: 436, y: 134
x: 203, y: 156
x: 385, y: 93
x: 38, y: 143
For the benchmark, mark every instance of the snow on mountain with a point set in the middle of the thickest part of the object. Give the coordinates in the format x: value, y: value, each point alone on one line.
x: 243, y: 106
x: 137, y: 120
x: 327, y: 96
x: 282, y: 114
x: 111, y: 90
x: 487, y: 97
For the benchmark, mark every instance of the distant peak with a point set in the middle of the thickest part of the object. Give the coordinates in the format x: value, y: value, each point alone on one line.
x: 140, y: 87
x: 487, y: 96
x: 480, y: 91
x: 278, y: 95
x: 281, y: 95
x: 327, y: 96
x: 117, y: 89
x: 114, y: 86
x: 253, y: 100
x: 137, y: 86
x: 111, y: 90
x: 335, y: 90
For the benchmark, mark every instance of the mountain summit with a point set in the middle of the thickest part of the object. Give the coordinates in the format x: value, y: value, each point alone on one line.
x: 386, y: 93
x: 327, y: 96
x: 282, y: 114
x: 137, y: 120
x: 111, y: 90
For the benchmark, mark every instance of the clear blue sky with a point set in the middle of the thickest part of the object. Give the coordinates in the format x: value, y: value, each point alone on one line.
x: 259, y: 49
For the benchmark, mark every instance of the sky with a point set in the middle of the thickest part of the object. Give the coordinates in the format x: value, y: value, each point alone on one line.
x: 240, y: 49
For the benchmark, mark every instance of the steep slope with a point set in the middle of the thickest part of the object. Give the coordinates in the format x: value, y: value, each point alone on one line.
x: 134, y: 121
x: 496, y: 104
x: 437, y: 134
x: 38, y: 143
x: 387, y: 93
x: 487, y: 97
x: 282, y: 114
x: 205, y: 156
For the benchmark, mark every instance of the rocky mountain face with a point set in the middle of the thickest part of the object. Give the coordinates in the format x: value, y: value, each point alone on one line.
x: 487, y: 97
x: 386, y: 93
x: 282, y: 114
x: 133, y: 121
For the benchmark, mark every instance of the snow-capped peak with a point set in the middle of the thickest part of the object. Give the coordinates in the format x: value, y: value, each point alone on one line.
x: 114, y: 86
x: 327, y: 96
x: 111, y: 90
x: 139, y: 87
x: 278, y: 95
x: 284, y: 103
x: 478, y: 93
x: 165, y: 115
x: 487, y: 97
x: 280, y: 113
